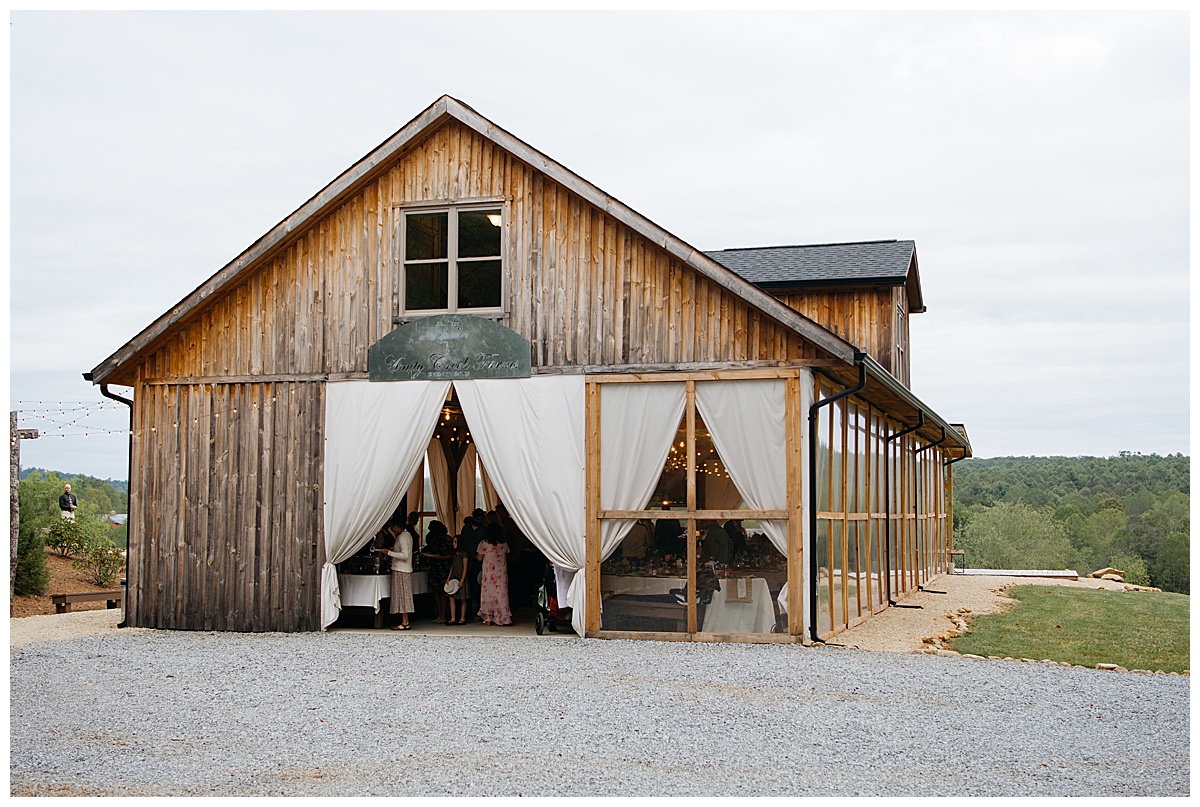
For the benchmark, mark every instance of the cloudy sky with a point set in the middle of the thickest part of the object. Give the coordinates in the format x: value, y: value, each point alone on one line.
x: 1039, y: 161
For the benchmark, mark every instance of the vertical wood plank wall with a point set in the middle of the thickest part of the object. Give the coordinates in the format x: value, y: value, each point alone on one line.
x: 863, y: 317
x: 226, y: 507
x: 225, y: 531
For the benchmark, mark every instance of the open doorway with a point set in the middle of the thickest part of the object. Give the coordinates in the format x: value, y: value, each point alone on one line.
x: 452, y: 512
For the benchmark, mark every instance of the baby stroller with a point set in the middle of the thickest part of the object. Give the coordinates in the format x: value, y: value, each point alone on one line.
x: 549, y: 614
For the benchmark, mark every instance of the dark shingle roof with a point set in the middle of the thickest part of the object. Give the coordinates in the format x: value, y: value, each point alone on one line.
x: 826, y: 264
x: 863, y: 261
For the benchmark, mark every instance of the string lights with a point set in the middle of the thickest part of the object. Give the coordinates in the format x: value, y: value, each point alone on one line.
x: 68, y: 419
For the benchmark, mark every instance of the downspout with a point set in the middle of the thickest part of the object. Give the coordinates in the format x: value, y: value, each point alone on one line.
x: 813, y: 569
x: 129, y: 484
x: 887, y: 505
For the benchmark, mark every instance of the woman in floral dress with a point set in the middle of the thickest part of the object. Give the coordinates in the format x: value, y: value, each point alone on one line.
x: 494, y: 607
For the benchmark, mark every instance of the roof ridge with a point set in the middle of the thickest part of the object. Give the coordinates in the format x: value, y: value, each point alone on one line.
x: 806, y: 246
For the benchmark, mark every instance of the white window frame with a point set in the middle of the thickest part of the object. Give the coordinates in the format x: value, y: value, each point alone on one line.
x: 452, y: 209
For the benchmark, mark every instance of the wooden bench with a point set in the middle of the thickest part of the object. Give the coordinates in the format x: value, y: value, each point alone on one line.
x: 62, y: 602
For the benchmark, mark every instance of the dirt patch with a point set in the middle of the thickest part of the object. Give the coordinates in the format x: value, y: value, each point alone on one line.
x: 64, y: 579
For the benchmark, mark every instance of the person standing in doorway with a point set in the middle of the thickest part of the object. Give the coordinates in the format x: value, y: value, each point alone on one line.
x: 460, y: 596
x: 67, y: 503
x: 401, y: 590
x: 494, y: 607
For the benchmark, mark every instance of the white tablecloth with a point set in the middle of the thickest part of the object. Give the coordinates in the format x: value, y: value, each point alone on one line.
x: 641, y: 586
x: 757, y: 616
x: 366, y: 590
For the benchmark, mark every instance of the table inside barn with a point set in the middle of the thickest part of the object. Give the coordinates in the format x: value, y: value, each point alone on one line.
x: 367, y: 590
x: 647, y: 595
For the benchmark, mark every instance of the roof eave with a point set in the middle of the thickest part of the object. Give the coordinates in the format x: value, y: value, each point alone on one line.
x: 363, y: 170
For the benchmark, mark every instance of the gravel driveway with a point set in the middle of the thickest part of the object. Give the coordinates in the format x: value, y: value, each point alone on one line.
x: 346, y: 714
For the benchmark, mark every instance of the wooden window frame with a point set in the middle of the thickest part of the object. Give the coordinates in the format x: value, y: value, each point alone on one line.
x: 452, y: 209
x: 793, y: 514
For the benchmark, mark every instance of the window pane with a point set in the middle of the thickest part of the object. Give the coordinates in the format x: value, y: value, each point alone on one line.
x: 479, y: 284
x: 425, y: 286
x: 426, y: 236
x: 479, y: 233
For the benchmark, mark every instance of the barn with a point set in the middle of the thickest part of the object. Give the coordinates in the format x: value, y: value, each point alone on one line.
x: 457, y: 312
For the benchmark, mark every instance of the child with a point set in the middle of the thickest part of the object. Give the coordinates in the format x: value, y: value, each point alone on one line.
x: 460, y: 598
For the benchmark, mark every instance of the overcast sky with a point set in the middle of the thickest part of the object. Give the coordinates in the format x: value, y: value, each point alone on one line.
x: 1039, y: 161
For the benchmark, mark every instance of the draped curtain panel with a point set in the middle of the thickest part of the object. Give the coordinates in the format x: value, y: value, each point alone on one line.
x: 637, y: 425
x: 530, y: 435
x: 439, y: 480
x: 490, y: 497
x: 720, y: 493
x: 466, y: 488
x: 416, y: 489
x: 375, y: 436
x: 748, y: 424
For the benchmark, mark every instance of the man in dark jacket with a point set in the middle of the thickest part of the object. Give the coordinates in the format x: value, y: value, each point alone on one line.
x: 67, y: 503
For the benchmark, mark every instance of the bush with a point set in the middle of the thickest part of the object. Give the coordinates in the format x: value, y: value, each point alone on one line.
x: 1014, y: 536
x: 32, y: 575
x: 1133, y: 566
x: 102, y: 560
x: 65, y: 537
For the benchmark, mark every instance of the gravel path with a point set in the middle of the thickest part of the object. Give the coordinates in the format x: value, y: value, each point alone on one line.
x: 344, y: 714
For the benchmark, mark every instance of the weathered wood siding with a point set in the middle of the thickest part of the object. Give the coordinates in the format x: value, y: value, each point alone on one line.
x: 867, y: 318
x: 582, y: 288
x: 226, y: 518
x: 225, y: 524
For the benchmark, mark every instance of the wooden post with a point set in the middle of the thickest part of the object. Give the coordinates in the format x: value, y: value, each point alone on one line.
x: 691, y: 506
x: 795, y: 507
x: 592, y: 458
x: 15, y: 436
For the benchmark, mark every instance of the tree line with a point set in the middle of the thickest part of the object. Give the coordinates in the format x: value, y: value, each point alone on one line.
x: 1130, y: 512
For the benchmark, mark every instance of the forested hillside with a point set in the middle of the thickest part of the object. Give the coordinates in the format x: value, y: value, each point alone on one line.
x: 1130, y: 512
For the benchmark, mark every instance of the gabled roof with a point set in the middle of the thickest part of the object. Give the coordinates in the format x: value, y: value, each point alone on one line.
x: 380, y: 159
x: 856, y: 263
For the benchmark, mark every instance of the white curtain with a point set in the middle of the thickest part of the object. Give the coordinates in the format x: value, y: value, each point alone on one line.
x: 747, y: 421
x: 638, y: 422
x: 416, y: 490
x: 490, y: 497
x: 439, y: 480
x: 720, y: 493
x: 530, y: 434
x: 466, y: 486
x: 375, y: 434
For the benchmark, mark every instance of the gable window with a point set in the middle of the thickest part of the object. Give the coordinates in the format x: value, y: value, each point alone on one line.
x: 452, y: 260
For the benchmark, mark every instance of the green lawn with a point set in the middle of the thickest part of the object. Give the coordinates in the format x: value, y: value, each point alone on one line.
x: 1138, y: 630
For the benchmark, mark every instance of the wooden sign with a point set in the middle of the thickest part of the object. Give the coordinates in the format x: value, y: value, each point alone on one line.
x: 449, y: 346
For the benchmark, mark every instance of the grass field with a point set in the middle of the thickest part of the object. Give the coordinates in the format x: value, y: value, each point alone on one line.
x: 1137, y: 630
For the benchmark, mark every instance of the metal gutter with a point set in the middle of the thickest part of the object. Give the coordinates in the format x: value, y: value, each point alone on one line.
x: 886, y: 379
x: 128, y: 487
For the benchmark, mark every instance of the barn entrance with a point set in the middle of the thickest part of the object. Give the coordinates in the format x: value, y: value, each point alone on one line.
x: 450, y: 503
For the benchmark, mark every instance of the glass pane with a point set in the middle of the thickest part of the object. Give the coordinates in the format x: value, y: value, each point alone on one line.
x: 479, y: 284
x: 426, y: 235
x: 425, y: 286
x: 839, y: 566
x: 821, y: 545
x: 643, y: 585
x: 478, y: 234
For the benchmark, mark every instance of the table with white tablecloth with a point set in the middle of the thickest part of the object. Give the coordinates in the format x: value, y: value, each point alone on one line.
x: 755, y: 616
x: 720, y: 616
x: 366, y: 590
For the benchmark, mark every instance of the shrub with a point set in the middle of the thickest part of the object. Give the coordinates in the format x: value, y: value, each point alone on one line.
x: 65, y: 537
x: 1133, y: 566
x: 32, y: 575
x: 102, y: 560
